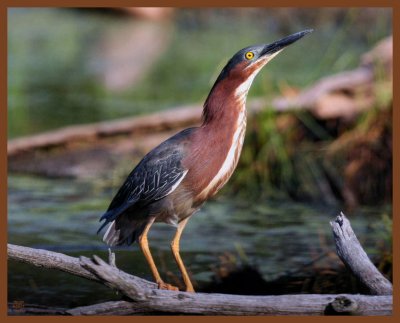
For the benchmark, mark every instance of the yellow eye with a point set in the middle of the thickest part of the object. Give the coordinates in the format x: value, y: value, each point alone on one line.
x: 249, y: 55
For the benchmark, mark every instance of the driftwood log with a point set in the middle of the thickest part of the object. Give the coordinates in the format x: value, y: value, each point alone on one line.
x: 145, y: 297
x: 353, y: 255
x: 171, y: 119
x: 346, y: 94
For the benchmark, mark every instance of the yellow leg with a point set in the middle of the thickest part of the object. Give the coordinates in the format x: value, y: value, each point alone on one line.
x: 144, y: 245
x: 178, y: 259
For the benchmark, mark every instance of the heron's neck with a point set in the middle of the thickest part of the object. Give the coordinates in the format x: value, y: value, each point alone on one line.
x: 226, y: 103
x: 220, y: 139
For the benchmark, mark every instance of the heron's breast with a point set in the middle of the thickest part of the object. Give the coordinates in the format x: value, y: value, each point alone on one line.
x: 216, y: 157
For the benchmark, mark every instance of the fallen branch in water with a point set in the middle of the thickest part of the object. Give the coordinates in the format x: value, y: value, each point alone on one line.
x: 345, y: 94
x: 161, y: 121
x: 314, y: 304
x: 59, y: 261
x: 222, y: 304
x: 353, y: 255
x: 145, y: 297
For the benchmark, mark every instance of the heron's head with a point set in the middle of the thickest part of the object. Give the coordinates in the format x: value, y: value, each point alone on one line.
x: 246, y: 63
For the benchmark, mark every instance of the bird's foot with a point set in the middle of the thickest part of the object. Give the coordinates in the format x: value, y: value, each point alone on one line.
x: 190, y: 290
x: 162, y: 285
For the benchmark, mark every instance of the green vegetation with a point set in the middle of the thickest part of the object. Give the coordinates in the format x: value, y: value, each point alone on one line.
x: 296, y: 156
x: 54, y: 59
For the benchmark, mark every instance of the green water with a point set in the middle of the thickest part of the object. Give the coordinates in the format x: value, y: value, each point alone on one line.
x: 62, y: 215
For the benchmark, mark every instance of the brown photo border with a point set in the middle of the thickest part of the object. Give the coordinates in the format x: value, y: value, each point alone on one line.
x: 394, y: 4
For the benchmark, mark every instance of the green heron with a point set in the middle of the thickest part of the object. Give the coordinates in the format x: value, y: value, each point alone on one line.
x: 174, y: 179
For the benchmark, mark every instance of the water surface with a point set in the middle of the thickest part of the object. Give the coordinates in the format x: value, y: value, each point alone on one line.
x: 62, y: 215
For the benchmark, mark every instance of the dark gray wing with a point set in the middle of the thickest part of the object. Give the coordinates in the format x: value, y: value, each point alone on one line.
x: 157, y: 175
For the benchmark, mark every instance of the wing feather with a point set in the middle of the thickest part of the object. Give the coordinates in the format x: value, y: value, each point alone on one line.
x: 158, y: 174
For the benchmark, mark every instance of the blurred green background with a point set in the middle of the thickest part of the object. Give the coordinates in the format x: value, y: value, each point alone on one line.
x: 56, y: 58
x: 62, y: 70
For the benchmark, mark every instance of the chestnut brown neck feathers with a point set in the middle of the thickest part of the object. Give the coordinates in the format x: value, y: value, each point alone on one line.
x: 218, y: 142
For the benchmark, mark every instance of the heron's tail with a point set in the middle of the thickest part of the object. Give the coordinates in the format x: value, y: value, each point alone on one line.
x: 123, y: 230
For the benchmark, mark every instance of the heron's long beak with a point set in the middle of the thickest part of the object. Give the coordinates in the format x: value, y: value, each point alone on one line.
x: 282, y: 43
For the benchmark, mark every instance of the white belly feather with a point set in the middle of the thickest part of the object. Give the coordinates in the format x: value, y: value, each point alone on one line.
x: 232, y: 156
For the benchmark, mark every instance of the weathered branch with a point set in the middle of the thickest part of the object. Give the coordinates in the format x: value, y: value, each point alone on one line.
x: 55, y: 260
x: 329, y: 97
x: 174, y: 118
x: 270, y: 305
x: 221, y: 304
x: 353, y: 255
x: 171, y: 119
x: 147, y: 298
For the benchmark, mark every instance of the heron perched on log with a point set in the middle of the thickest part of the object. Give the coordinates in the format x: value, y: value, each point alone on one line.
x: 174, y: 179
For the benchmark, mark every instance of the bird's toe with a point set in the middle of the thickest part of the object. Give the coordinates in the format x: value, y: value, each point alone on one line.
x: 162, y: 285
